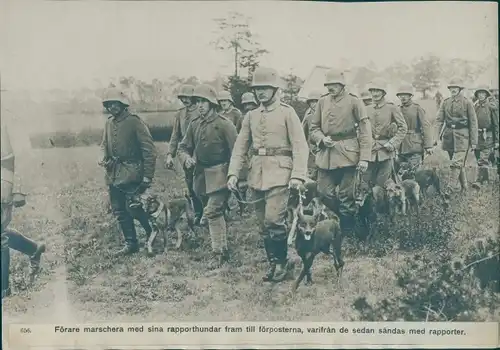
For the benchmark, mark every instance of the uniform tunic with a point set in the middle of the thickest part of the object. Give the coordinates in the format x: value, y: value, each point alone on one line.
x: 181, y: 123
x: 234, y: 115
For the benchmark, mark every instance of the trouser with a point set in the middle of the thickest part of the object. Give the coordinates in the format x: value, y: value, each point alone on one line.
x: 17, y: 241
x: 197, y: 203
x: 271, y: 211
x: 120, y: 199
x: 312, y: 169
x: 483, y: 157
x: 412, y: 160
x: 456, y: 176
x: 379, y: 172
x: 214, y: 212
x: 344, y: 178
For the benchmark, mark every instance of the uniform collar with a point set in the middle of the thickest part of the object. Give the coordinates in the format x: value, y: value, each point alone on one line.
x: 339, y: 97
x: 211, y: 117
x: 407, y: 104
x: 380, y: 103
x: 458, y: 97
x: 271, y: 107
x: 122, y: 116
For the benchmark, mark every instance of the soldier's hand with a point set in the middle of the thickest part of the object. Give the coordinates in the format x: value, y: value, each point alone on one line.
x: 189, y: 163
x: 390, y: 147
x: 473, y: 147
x: 169, y: 163
x: 328, y: 142
x: 294, y: 184
x: 428, y: 151
x: 232, y: 183
x: 362, y: 166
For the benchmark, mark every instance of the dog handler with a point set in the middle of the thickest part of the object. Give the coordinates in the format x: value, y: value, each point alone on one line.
x: 312, y: 101
x: 129, y: 160
x: 182, y: 120
x: 458, y: 117
x: 383, y: 115
x: 11, y: 238
x: 207, y: 147
x: 418, y: 137
x: 272, y: 135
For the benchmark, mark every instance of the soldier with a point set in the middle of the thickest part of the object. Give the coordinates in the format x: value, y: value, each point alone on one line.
x: 487, y: 122
x: 129, y: 160
x: 272, y: 135
x: 248, y: 102
x: 383, y: 116
x: 312, y: 101
x: 207, y: 147
x: 228, y: 109
x: 439, y: 98
x: 342, y: 153
x: 367, y: 98
x: 182, y: 120
x: 418, y: 137
x: 11, y: 238
x: 457, y: 120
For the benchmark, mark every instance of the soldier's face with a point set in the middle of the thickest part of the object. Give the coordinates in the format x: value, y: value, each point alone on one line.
x: 334, y: 89
x: 186, y: 101
x: 115, y: 108
x: 225, y: 104
x: 203, y: 106
x: 312, y: 103
x: 404, y: 98
x: 377, y: 94
x: 264, y: 94
x: 481, y: 95
x: 454, y: 90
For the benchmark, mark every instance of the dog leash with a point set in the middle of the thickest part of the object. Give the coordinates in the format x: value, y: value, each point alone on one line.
x: 293, y: 230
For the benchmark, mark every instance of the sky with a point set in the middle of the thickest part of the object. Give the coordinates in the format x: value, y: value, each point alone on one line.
x: 55, y: 44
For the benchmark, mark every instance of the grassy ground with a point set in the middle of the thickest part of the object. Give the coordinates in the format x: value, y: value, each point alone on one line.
x: 82, y: 282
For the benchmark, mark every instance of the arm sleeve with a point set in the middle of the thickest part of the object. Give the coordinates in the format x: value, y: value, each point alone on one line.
x: 365, y: 131
x: 300, y: 148
x: 473, y: 132
x: 240, y: 148
x: 427, y: 132
x: 147, y: 147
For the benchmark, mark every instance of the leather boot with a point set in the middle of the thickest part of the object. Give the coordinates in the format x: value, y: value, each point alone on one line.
x: 347, y: 225
x: 130, y: 235
x: 35, y: 262
x: 5, y: 271
x: 285, y: 266
x: 218, y: 259
x: 268, y: 246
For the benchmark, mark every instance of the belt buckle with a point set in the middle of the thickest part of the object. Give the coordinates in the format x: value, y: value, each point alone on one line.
x: 262, y: 151
x: 377, y: 137
x: 453, y: 126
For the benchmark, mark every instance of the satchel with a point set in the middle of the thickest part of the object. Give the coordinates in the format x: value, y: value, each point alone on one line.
x: 128, y: 172
x: 216, y: 177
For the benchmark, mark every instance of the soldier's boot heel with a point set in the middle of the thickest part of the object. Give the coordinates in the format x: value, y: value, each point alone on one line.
x: 35, y: 262
x: 269, y: 275
x: 271, y: 269
x: 128, y: 249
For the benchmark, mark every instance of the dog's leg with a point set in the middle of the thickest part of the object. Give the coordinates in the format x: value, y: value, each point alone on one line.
x: 150, y: 241
x: 179, y: 235
x: 303, y: 272
x: 165, y: 230
x: 309, y: 280
x: 338, y: 263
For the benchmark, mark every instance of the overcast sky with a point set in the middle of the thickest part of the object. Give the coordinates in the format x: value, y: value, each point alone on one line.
x: 66, y: 44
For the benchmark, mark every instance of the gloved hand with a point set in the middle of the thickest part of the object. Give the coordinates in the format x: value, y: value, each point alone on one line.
x: 390, y: 147
x: 362, y: 166
x: 169, y: 163
x: 190, y: 163
x: 232, y: 183
x: 328, y: 142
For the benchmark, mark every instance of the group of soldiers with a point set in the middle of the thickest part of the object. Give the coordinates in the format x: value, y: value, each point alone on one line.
x: 270, y: 152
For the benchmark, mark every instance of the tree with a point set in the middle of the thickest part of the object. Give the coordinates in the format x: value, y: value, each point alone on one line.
x: 234, y: 34
x: 291, y: 90
x: 427, y: 71
x: 237, y: 87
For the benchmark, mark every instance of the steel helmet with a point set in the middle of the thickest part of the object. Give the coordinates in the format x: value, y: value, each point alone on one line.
x: 207, y: 92
x: 482, y: 88
x: 365, y: 95
x: 225, y: 95
x: 248, y: 97
x: 456, y: 82
x: 334, y: 77
x: 378, y: 84
x: 313, y: 95
x: 186, y: 90
x: 113, y: 94
x: 265, y: 77
x: 405, y: 89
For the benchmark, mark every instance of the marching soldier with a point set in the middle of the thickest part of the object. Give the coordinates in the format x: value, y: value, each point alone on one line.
x: 10, y: 237
x: 418, y: 137
x: 248, y: 102
x: 312, y: 101
x: 342, y: 153
x: 228, y: 109
x: 457, y: 123
x: 182, y: 120
x: 439, y: 98
x: 383, y: 115
x: 487, y: 121
x: 367, y: 98
x: 129, y: 160
x: 207, y: 148
x: 272, y: 135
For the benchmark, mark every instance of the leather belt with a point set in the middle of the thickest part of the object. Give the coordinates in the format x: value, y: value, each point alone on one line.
x: 270, y: 152
x: 342, y: 137
x: 457, y: 126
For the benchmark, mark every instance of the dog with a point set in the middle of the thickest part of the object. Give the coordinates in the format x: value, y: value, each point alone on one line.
x: 167, y: 216
x: 370, y: 205
x: 412, y: 193
x: 427, y: 178
x: 406, y: 171
x: 315, y: 236
x: 396, y: 198
x: 309, y: 192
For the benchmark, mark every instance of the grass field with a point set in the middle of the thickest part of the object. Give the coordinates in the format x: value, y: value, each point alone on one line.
x: 81, y: 282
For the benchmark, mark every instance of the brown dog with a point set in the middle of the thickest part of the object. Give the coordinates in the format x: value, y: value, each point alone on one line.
x: 371, y: 204
x: 427, y: 178
x: 316, y: 236
x: 167, y: 217
x: 396, y: 198
x: 412, y: 193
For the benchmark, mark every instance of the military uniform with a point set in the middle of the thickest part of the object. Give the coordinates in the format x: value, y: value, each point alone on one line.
x: 129, y: 157
x: 234, y: 115
x: 210, y: 140
x: 418, y: 136
x: 460, y: 132
x: 181, y: 123
x: 272, y: 136
x: 10, y: 237
x: 343, y: 118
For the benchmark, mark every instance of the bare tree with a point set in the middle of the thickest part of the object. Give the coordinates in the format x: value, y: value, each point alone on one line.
x: 427, y: 71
